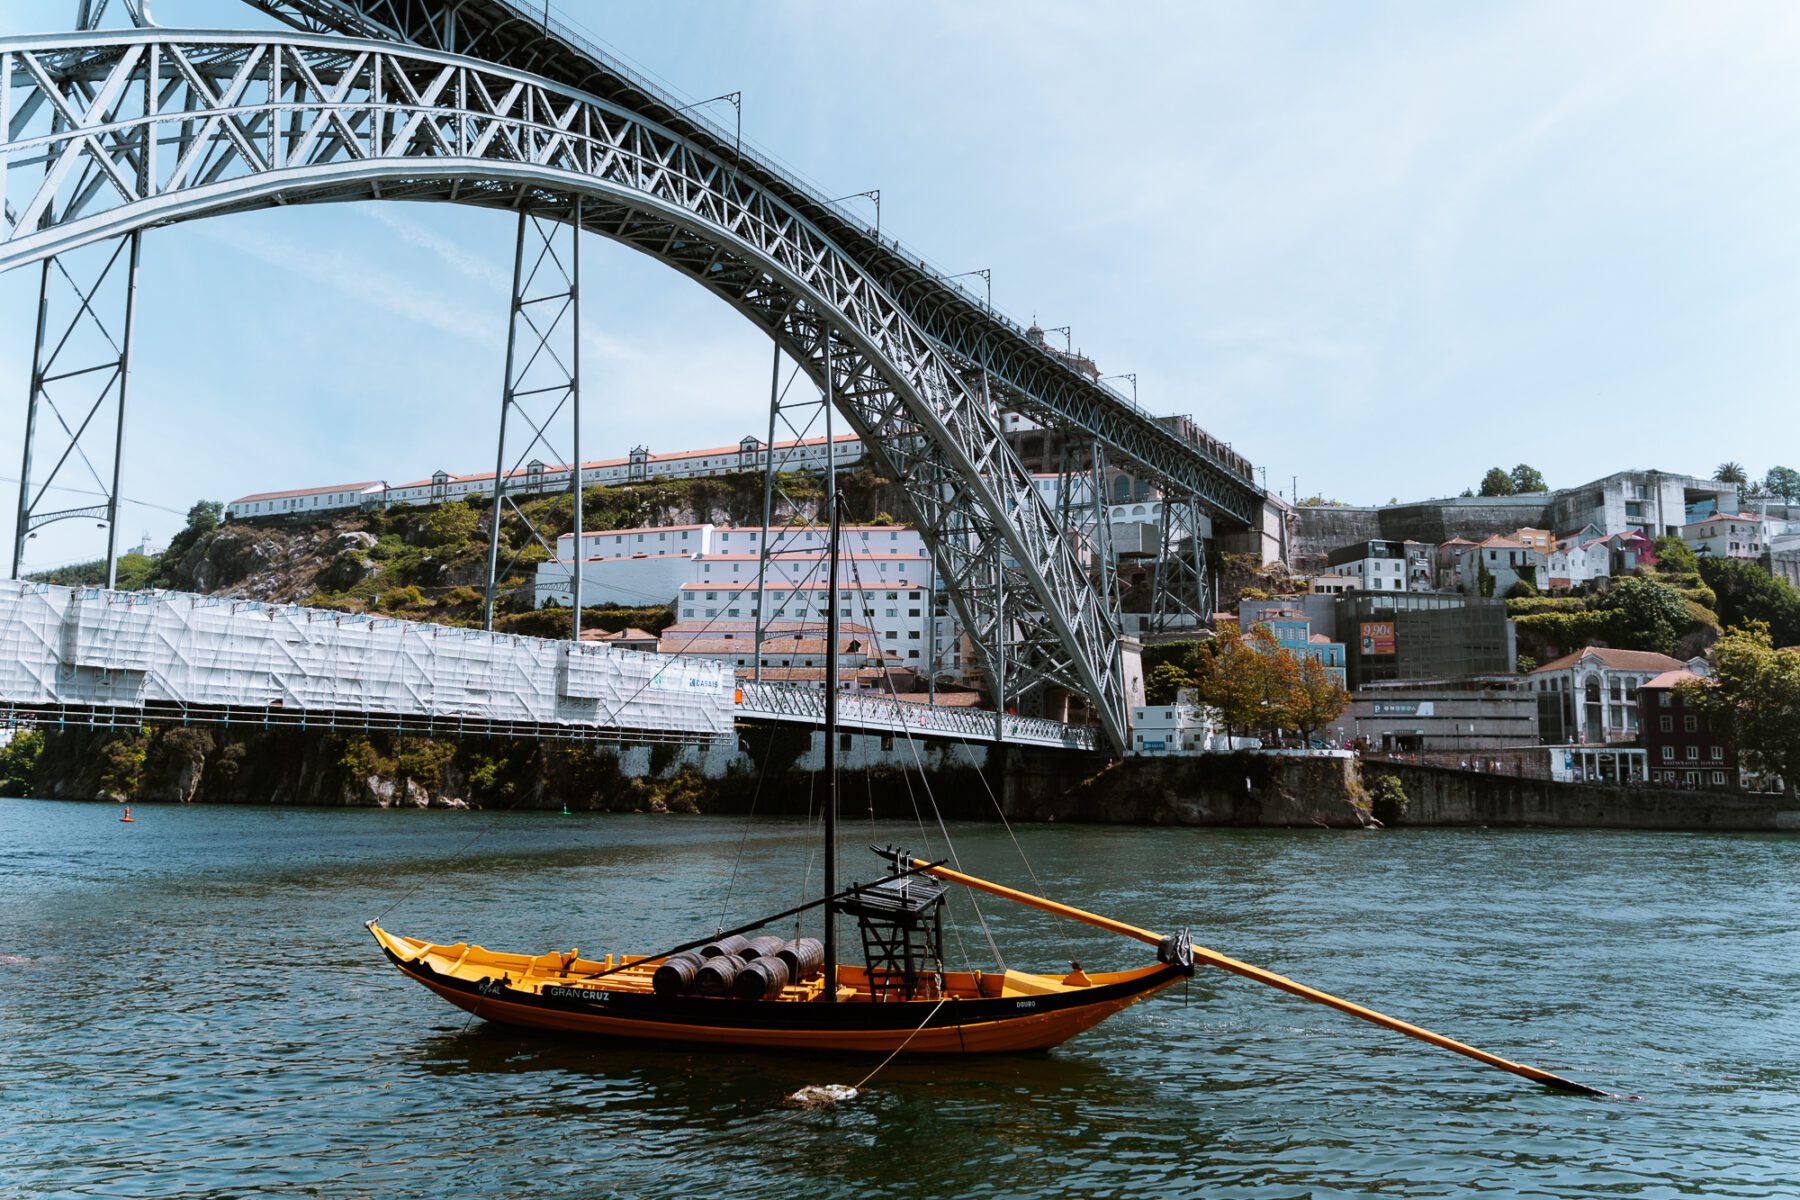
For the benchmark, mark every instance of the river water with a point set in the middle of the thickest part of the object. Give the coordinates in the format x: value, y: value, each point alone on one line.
x: 189, y: 1006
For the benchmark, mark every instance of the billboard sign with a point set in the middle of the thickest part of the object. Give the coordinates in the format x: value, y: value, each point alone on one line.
x: 1377, y: 637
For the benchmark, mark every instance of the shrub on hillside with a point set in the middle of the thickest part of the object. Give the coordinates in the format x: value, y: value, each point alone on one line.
x: 1387, y: 799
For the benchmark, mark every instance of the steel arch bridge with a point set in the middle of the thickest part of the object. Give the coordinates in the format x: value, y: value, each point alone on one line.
x: 109, y: 133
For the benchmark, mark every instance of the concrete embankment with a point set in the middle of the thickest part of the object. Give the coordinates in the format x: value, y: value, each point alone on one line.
x: 775, y: 772
x: 1224, y: 789
x: 1440, y: 796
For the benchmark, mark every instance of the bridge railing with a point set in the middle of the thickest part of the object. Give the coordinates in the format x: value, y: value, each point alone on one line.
x: 883, y: 714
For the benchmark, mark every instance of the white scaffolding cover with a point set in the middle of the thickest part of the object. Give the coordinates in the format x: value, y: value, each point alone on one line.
x: 87, y: 647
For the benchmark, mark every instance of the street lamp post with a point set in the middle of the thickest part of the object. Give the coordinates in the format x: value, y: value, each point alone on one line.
x: 1132, y: 376
x: 873, y: 194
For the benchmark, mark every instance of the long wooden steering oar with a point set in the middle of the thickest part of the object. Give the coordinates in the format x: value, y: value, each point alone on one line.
x: 1227, y: 963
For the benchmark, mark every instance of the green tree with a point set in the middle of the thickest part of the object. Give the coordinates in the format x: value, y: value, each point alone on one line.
x: 1484, y: 578
x: 1387, y: 799
x: 1782, y: 483
x: 1675, y: 558
x: 1747, y: 593
x: 19, y: 761
x: 202, y: 519
x: 1730, y: 472
x: 1163, y: 682
x: 1753, y: 701
x: 1497, y: 482
x: 122, y: 764
x: 1646, y: 615
x: 1526, y: 478
x: 451, y: 524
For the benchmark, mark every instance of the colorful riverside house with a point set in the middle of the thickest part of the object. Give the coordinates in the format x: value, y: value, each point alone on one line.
x: 1683, y: 749
x: 1293, y: 633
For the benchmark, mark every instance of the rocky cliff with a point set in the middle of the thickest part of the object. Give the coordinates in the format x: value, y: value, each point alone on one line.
x: 1233, y: 789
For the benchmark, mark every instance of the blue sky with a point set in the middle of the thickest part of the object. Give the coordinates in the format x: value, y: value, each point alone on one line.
x: 1379, y: 247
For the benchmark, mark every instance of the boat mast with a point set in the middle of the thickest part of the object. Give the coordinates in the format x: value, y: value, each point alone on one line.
x: 831, y: 692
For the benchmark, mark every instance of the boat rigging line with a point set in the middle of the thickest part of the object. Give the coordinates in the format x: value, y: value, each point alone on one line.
x: 919, y: 867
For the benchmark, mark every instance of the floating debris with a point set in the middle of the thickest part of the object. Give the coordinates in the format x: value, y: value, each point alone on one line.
x: 822, y: 1095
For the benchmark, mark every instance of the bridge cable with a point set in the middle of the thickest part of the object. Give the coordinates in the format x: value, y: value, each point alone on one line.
x: 931, y: 798
x: 479, y: 834
x: 761, y: 774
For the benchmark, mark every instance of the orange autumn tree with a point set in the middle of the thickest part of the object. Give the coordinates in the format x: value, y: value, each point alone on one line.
x: 1318, y: 697
x: 1250, y: 680
x: 1255, y: 684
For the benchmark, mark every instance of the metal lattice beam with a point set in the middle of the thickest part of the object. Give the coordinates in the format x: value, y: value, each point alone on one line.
x: 1026, y: 376
x: 542, y: 395
x: 109, y: 132
x: 75, y: 406
x: 1178, y: 595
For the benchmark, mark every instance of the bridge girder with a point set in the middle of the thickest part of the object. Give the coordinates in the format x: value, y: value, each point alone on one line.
x: 1024, y: 375
x: 112, y: 132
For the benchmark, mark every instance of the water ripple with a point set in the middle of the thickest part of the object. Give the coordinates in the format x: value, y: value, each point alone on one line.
x: 191, y: 1008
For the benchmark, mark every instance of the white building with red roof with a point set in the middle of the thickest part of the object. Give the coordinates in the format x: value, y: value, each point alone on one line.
x: 1735, y: 535
x: 1593, y: 693
x: 749, y: 454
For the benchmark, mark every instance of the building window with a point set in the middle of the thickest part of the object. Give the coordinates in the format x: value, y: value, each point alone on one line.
x: 1668, y: 753
x: 1718, y: 754
x: 1689, y: 723
x: 1718, y: 777
x: 1667, y: 724
x: 1693, y: 753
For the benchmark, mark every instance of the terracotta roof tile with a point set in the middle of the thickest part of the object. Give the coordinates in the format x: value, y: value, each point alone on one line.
x: 1615, y: 660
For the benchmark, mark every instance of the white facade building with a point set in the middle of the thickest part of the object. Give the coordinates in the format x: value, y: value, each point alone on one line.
x: 1506, y: 559
x: 1161, y: 729
x: 892, y: 597
x: 1738, y: 536
x: 709, y: 573
x: 1597, y: 689
x: 1575, y: 561
x: 1384, y: 566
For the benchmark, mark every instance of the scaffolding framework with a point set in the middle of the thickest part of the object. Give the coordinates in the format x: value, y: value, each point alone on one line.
x: 542, y: 394
x: 241, y: 661
x: 75, y: 401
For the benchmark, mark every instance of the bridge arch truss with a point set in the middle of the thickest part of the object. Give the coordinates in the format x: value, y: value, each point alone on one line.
x: 106, y: 134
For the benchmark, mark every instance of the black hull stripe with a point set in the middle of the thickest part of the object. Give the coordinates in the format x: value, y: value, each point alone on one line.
x: 724, y: 1013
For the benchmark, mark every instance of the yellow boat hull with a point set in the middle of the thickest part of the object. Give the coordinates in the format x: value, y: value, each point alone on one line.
x: 976, y: 1013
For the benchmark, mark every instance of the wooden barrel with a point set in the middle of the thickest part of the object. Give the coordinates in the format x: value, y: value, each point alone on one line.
x: 761, y: 979
x: 715, y: 976
x: 675, y: 977
x: 734, y: 944
x: 762, y: 947
x: 805, y: 957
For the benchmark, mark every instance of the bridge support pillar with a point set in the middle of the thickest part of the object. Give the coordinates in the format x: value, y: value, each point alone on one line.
x: 1179, y: 599
x: 793, y: 424
x: 540, y: 404
x: 75, y: 405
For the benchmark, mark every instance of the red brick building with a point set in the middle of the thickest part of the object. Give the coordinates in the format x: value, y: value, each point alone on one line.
x: 1683, y: 752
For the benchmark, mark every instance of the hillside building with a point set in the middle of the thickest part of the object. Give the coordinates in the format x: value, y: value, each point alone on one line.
x: 1591, y: 696
x: 1683, y: 749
